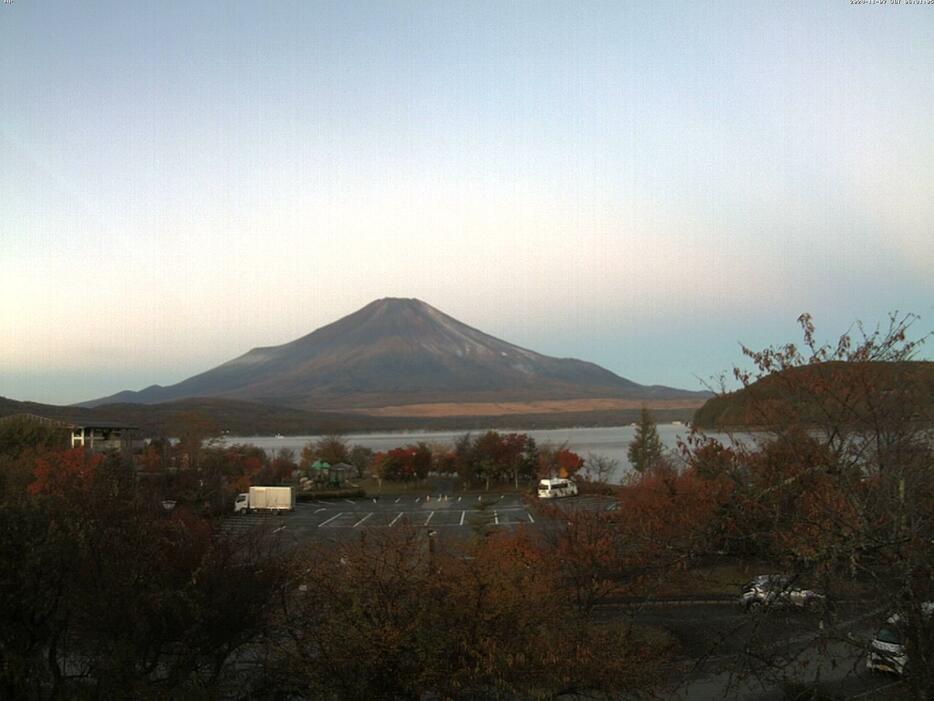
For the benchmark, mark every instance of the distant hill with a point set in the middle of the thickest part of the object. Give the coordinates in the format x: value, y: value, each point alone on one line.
x: 777, y: 395
x: 398, y: 352
x: 8, y: 407
x: 240, y: 418
x: 233, y: 416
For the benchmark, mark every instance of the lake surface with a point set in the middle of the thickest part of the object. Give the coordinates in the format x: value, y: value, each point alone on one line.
x: 610, y: 442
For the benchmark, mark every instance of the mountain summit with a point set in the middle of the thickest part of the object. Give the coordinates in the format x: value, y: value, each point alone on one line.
x: 392, y: 352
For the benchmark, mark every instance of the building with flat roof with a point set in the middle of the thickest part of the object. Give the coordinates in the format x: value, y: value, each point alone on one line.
x: 93, y: 434
x: 101, y: 436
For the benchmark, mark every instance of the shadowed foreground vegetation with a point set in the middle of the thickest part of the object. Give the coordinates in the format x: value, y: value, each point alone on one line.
x: 105, y: 592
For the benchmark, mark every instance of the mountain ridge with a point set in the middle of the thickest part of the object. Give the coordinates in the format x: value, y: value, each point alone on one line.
x: 397, y: 351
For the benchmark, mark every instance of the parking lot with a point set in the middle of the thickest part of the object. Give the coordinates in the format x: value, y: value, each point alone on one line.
x: 713, y: 631
x: 440, y: 512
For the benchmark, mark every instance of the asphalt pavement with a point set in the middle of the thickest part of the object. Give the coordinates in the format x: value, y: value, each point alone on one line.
x: 443, y: 513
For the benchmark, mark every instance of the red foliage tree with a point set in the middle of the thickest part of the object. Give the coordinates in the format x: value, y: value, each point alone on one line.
x: 65, y: 472
x: 401, y: 464
x: 568, y: 462
x: 559, y: 462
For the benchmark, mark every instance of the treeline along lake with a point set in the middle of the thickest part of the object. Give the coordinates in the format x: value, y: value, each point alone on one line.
x: 610, y: 442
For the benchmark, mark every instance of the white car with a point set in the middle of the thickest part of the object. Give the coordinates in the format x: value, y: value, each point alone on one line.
x: 556, y: 487
x: 776, y: 590
x: 887, y: 651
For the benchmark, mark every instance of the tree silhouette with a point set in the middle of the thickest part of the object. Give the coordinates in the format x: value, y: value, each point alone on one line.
x: 645, y: 450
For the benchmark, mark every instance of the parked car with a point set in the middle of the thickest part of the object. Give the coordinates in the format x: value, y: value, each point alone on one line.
x: 556, y: 487
x: 887, y: 651
x: 775, y: 591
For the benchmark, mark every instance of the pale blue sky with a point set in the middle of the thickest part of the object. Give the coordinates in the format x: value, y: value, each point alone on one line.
x: 639, y: 184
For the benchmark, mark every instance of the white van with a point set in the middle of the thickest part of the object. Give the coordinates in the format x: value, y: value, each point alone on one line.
x: 887, y: 651
x: 556, y: 487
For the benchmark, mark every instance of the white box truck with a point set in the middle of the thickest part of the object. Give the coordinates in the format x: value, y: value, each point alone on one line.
x: 265, y: 499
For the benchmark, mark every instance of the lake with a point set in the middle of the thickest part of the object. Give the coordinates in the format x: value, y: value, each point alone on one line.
x: 610, y: 442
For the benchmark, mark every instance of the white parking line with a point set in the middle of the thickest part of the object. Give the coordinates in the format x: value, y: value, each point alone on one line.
x: 348, y: 501
x: 363, y: 519
x: 393, y: 522
x: 531, y: 520
x: 496, y: 518
x: 397, y: 500
x: 458, y: 498
x: 429, y: 517
x: 463, y: 515
x: 324, y: 523
x: 318, y: 511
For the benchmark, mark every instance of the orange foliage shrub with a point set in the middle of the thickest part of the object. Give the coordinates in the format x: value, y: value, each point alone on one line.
x: 65, y: 472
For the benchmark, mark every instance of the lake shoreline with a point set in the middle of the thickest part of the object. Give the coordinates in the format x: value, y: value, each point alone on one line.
x: 606, y: 441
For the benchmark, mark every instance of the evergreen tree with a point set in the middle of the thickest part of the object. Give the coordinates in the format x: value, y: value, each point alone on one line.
x: 646, y: 449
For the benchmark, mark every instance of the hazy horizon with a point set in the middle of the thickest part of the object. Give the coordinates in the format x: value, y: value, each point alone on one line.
x: 641, y: 186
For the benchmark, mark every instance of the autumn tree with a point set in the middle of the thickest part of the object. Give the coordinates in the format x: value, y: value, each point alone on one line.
x: 361, y: 458
x: 411, y: 462
x: 152, y: 458
x: 194, y: 430
x: 22, y: 439
x: 463, y: 457
x: 388, y: 616
x: 558, y: 461
x: 568, y: 462
x: 586, y: 556
x: 19, y: 434
x: 835, y: 488
x: 493, y: 457
x: 599, y: 468
x: 645, y: 449
x: 226, y: 472
x: 674, y: 516
x: 496, y: 456
x: 67, y: 474
x: 444, y: 459
x: 332, y: 449
x: 281, y: 466
x: 105, y: 594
